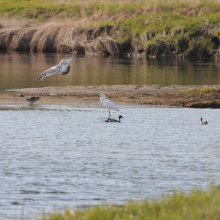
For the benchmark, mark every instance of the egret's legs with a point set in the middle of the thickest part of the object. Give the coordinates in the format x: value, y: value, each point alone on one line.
x: 109, y: 114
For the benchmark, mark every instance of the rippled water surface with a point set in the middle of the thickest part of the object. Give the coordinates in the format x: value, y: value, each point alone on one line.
x: 21, y: 70
x: 68, y: 156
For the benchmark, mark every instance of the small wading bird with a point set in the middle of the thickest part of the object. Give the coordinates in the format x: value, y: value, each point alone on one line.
x: 31, y: 100
x: 61, y: 67
x: 114, y: 120
x: 108, y: 104
x: 203, y: 122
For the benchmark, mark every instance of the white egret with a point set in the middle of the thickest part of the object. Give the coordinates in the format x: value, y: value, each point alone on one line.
x: 61, y: 67
x: 108, y: 103
x: 203, y: 122
x: 114, y: 120
x: 31, y: 99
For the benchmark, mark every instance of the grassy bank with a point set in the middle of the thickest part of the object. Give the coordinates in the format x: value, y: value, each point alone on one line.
x: 150, y: 28
x: 194, y: 205
x: 47, y: 10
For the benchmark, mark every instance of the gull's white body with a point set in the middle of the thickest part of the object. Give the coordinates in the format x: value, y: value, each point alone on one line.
x: 108, y: 104
x: 61, y: 67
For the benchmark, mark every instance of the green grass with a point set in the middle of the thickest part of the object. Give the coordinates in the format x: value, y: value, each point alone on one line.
x: 32, y: 9
x: 195, y: 91
x: 194, y: 205
x: 179, y: 26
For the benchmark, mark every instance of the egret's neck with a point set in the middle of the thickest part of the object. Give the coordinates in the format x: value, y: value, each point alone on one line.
x: 102, y: 100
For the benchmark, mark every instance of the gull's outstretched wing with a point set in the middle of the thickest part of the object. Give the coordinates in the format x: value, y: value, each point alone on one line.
x: 49, y: 72
x: 64, y: 62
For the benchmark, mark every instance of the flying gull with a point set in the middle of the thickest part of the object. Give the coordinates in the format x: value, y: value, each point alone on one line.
x: 61, y: 67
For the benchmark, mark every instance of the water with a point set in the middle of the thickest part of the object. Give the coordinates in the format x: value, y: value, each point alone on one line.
x: 68, y: 156
x: 19, y: 70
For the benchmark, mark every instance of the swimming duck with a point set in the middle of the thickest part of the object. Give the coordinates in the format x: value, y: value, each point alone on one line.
x: 61, y: 67
x: 31, y: 99
x: 114, y: 120
x: 203, y: 122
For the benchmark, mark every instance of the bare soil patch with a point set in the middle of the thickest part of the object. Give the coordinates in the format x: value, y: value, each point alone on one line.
x: 120, y: 94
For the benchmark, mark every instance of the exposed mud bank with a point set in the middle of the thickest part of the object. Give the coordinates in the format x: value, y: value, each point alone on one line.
x: 178, y: 96
x: 67, y: 38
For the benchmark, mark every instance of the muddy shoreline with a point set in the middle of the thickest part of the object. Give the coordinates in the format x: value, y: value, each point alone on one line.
x: 121, y: 94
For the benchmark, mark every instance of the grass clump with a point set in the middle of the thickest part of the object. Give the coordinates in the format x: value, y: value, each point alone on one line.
x: 196, y: 91
x: 197, y: 204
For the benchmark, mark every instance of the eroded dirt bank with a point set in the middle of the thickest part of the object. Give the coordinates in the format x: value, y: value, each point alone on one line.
x: 135, y: 28
x: 60, y: 37
x: 70, y: 37
x: 180, y: 96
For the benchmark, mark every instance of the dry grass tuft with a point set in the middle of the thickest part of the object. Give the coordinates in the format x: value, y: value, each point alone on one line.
x: 106, y: 45
x: 45, y: 39
x: 21, y: 40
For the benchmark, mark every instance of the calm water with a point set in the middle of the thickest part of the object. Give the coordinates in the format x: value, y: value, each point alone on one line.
x: 53, y: 157
x: 20, y: 71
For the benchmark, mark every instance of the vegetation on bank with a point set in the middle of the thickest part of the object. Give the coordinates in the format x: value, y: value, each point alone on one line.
x: 191, y: 98
x: 196, y: 204
x: 154, y: 28
x: 45, y: 10
x: 204, y: 91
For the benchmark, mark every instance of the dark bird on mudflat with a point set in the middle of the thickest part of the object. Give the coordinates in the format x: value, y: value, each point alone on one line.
x: 31, y: 99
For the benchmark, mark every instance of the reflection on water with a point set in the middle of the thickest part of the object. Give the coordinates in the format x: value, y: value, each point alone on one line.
x: 20, y: 71
x: 53, y: 156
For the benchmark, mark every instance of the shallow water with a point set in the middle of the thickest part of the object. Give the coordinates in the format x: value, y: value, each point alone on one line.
x: 19, y: 70
x: 57, y: 156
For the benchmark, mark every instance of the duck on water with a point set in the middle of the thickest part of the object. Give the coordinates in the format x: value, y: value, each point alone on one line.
x: 114, y: 120
x: 203, y: 122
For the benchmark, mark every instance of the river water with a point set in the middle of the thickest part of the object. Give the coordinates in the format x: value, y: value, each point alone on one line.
x: 19, y: 70
x: 68, y: 156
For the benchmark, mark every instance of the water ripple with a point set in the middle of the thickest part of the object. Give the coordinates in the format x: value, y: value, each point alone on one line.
x: 68, y: 156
